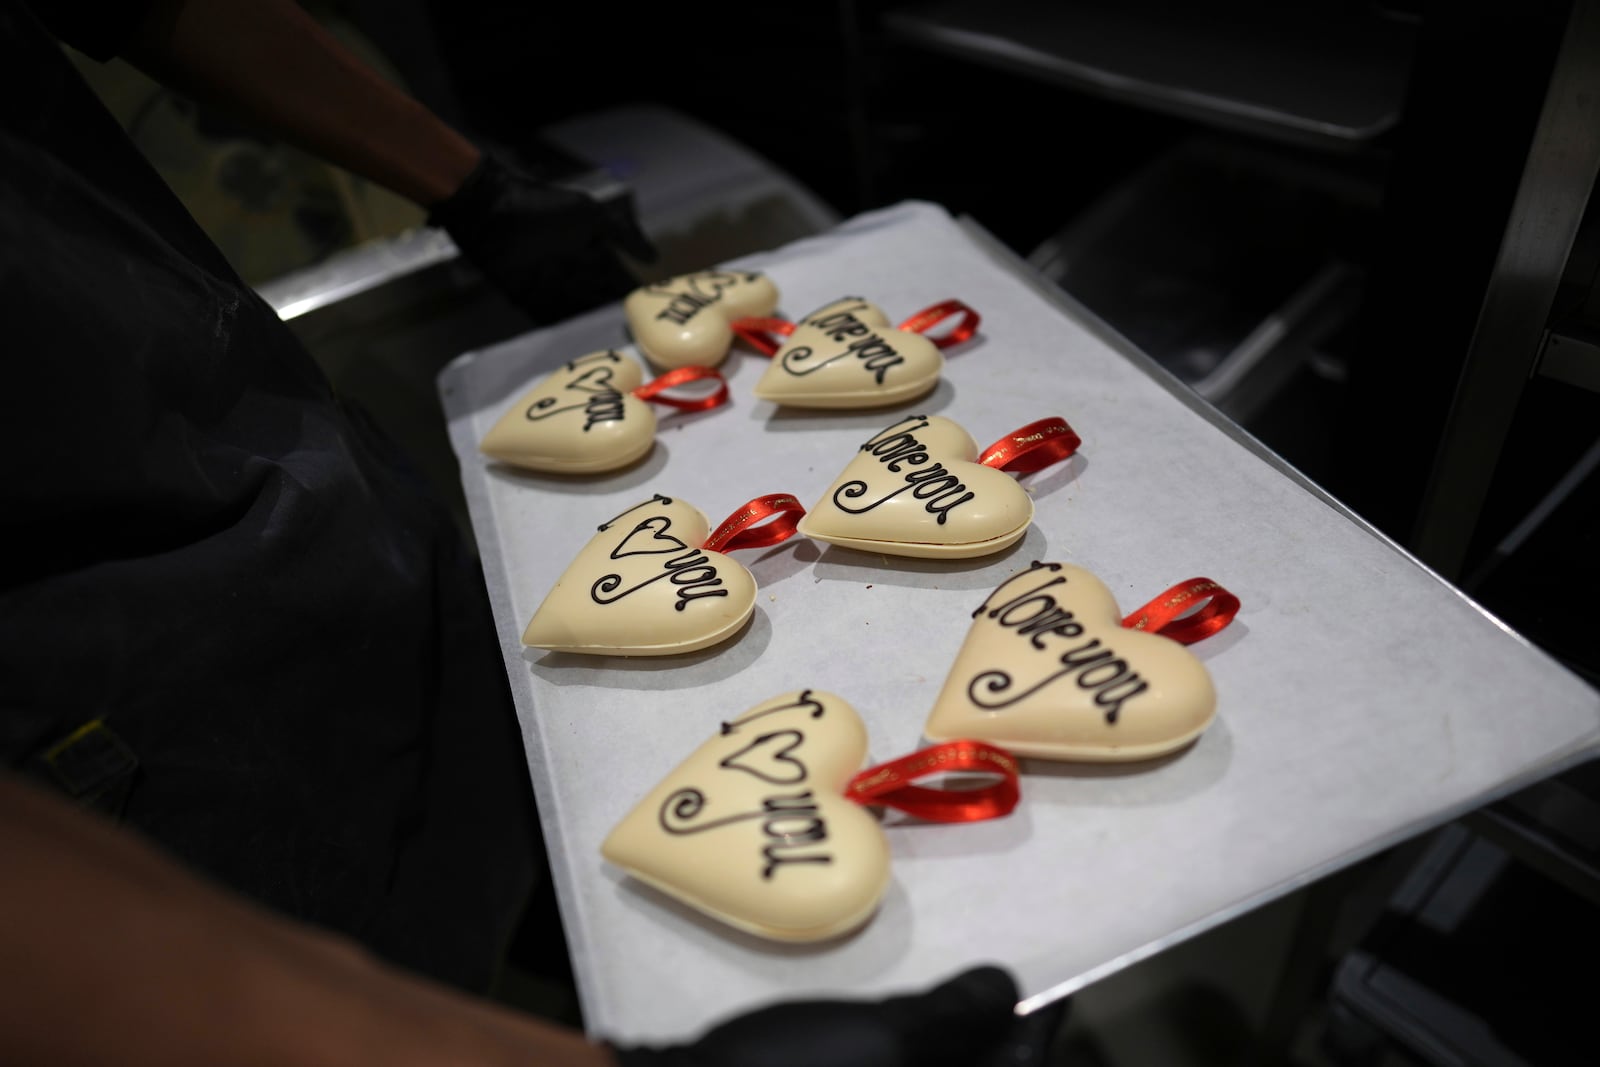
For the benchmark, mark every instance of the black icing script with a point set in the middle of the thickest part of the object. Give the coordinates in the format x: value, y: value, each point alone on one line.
x: 1035, y: 615
x: 687, y: 568
x: 897, y: 449
x: 842, y: 327
x: 600, y: 403
x: 792, y: 826
x: 695, y: 293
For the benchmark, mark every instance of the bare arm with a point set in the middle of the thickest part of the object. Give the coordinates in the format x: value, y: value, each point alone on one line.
x: 270, y: 62
x: 110, y: 954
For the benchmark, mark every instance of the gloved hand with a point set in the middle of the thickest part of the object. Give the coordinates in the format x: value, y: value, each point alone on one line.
x: 549, y: 249
x: 966, y: 1022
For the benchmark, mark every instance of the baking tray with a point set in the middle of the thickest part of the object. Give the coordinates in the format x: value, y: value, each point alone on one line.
x: 1361, y: 698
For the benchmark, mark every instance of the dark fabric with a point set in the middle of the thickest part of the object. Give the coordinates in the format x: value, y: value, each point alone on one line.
x: 212, y: 554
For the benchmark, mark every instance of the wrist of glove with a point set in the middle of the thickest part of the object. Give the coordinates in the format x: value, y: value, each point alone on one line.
x: 551, y: 250
x: 964, y: 1022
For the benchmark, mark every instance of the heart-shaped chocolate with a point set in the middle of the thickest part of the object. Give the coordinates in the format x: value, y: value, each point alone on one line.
x: 1048, y: 670
x: 685, y: 321
x: 846, y: 355
x: 914, y: 490
x: 580, y: 419
x: 643, y: 586
x: 754, y: 829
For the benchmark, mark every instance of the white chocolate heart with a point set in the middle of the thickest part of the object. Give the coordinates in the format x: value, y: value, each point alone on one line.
x: 1048, y: 670
x: 846, y: 355
x: 754, y: 829
x: 914, y: 490
x: 580, y: 419
x: 643, y: 586
x: 686, y: 321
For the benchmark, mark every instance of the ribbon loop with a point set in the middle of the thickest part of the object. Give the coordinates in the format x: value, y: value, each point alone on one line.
x: 1162, y: 615
x: 929, y: 317
x: 740, y: 529
x: 652, y: 391
x: 889, y: 784
x: 758, y: 333
x: 1034, y: 447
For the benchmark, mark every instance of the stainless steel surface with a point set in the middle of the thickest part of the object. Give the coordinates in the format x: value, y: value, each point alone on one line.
x: 1326, y: 74
x: 355, y: 272
x: 1189, y: 255
x: 1555, y: 189
x: 679, y: 168
x: 701, y: 196
x: 350, y: 276
x: 1571, y: 359
x: 1250, y: 377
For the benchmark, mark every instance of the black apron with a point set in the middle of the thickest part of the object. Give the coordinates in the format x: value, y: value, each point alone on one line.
x: 227, y: 608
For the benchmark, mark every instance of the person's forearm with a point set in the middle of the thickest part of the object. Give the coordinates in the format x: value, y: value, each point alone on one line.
x: 110, y: 954
x: 270, y: 62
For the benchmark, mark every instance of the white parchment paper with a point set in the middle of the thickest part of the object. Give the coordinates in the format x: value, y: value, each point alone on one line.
x: 1361, y: 699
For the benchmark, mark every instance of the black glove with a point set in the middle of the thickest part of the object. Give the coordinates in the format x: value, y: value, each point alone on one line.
x: 966, y: 1022
x: 549, y: 249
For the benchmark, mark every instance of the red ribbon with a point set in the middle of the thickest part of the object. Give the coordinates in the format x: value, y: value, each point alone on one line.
x: 651, y: 391
x: 929, y: 317
x: 758, y: 333
x: 739, y: 529
x: 1161, y: 615
x: 889, y: 784
x: 1034, y: 447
